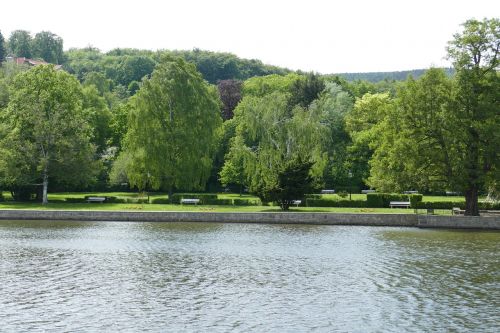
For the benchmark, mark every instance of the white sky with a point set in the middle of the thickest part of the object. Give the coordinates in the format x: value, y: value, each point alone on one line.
x: 325, y: 36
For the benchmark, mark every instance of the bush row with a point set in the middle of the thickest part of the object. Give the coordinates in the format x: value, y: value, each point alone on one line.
x: 204, y: 197
x: 335, y: 203
x: 381, y: 200
x: 461, y: 205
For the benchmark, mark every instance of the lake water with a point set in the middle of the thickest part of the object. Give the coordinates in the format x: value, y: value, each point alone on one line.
x: 193, y: 277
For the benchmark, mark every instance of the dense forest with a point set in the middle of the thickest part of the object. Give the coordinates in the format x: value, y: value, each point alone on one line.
x: 199, y: 120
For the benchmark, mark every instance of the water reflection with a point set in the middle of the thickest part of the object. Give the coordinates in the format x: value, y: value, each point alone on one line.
x: 69, y: 276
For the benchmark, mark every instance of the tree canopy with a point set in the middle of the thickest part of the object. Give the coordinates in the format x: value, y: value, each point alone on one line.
x: 173, y: 130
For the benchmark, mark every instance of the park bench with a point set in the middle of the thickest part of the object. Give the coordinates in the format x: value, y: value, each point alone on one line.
x: 367, y: 191
x: 410, y: 192
x: 327, y: 191
x: 296, y: 202
x: 398, y: 204
x: 190, y: 201
x: 96, y: 199
x: 457, y: 211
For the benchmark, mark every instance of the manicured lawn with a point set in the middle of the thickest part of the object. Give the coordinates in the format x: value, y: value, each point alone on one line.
x: 204, y: 208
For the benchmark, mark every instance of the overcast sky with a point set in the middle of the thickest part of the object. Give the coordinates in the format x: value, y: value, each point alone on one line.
x: 320, y: 35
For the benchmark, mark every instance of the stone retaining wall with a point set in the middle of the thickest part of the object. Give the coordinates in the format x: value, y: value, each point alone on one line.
x: 393, y: 220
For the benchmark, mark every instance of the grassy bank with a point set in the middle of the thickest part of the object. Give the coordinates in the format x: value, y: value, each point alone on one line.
x: 57, y: 202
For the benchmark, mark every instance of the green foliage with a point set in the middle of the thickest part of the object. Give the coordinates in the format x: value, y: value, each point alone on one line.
x: 162, y: 201
x: 49, y: 47
x: 3, y: 50
x: 20, y: 43
x: 263, y: 85
x: 379, y: 200
x: 310, y: 202
x: 415, y: 199
x: 246, y: 202
x: 46, y: 133
x: 306, y: 89
x: 174, y: 128
x: 269, y: 136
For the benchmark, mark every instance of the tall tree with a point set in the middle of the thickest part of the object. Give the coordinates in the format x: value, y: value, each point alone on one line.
x: 45, y: 134
x: 20, y: 43
x: 474, y: 53
x: 269, y: 136
x: 173, y: 130
x: 49, y: 47
x: 2, y: 49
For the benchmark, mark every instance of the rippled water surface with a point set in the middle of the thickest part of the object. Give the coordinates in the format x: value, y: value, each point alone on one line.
x: 184, y: 277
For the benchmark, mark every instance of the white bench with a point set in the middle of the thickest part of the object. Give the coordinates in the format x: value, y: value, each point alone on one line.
x: 327, y: 191
x: 405, y: 204
x: 96, y: 199
x: 190, y: 201
x: 367, y: 191
x: 296, y: 202
x: 410, y: 192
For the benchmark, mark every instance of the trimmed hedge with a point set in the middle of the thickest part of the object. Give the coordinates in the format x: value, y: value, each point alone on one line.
x: 1, y: 196
x: 415, y: 199
x: 335, y: 203
x: 246, y: 202
x: 162, y: 201
x: 224, y: 202
x: 381, y: 200
x: 75, y: 200
x: 176, y: 197
x: 461, y: 205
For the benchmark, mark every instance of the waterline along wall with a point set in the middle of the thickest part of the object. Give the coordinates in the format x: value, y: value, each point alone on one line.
x: 392, y: 220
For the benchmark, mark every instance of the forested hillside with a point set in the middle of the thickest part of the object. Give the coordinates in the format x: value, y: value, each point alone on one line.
x: 390, y: 76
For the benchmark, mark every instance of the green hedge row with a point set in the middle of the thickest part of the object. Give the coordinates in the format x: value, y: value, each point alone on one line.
x: 176, y: 197
x: 382, y: 200
x: 461, y: 205
x: 335, y: 203
x: 1, y: 196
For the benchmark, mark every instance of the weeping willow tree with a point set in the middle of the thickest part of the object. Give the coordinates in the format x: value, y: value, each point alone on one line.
x: 173, y: 131
x: 278, y: 149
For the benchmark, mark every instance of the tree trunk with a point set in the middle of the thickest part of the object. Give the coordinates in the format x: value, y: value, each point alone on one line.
x: 170, y: 194
x: 471, y: 201
x: 45, y: 187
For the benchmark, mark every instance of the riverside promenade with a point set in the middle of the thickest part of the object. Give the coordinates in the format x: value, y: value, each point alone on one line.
x: 387, y: 220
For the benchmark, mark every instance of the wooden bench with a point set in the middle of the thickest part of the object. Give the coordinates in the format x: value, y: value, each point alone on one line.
x: 398, y: 204
x: 190, y: 201
x: 96, y: 199
x: 296, y: 202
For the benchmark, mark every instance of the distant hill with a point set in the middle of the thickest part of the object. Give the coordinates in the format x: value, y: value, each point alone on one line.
x: 391, y: 76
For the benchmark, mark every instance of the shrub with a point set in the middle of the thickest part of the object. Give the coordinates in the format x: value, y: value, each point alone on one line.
x: 135, y: 200
x: 382, y: 200
x: 1, y: 196
x: 343, y: 194
x: 312, y: 196
x: 335, y: 203
x: 224, y: 202
x: 415, y: 199
x: 176, y: 197
x: 75, y: 200
x: 440, y: 204
x: 246, y: 202
x: 160, y: 201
